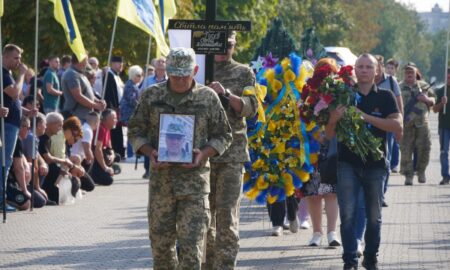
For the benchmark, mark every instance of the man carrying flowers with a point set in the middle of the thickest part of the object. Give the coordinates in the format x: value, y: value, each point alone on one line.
x: 366, y: 174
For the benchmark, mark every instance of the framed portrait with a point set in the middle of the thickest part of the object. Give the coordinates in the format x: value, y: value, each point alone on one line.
x: 176, y: 138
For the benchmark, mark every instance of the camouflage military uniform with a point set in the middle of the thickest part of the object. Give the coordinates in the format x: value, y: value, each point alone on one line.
x: 178, y: 197
x: 416, y: 133
x: 227, y: 170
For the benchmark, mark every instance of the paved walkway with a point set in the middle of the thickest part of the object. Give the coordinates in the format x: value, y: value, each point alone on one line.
x: 107, y: 229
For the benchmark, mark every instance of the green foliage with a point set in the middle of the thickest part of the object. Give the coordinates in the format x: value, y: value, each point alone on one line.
x: 277, y: 41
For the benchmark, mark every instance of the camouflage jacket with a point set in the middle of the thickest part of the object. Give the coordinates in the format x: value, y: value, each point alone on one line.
x: 211, y: 129
x: 240, y: 80
x: 416, y: 115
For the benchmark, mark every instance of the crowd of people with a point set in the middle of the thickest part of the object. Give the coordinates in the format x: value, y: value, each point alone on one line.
x: 82, y: 128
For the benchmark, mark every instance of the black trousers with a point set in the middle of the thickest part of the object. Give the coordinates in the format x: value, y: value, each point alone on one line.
x: 100, y: 176
x: 117, y: 140
x: 277, y: 210
x: 49, y: 182
x: 87, y: 183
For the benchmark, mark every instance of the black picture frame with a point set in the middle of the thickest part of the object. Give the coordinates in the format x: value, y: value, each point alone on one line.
x: 176, y: 138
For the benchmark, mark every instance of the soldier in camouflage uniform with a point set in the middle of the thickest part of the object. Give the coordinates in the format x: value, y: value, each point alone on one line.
x: 235, y: 85
x: 418, y: 97
x: 178, y: 193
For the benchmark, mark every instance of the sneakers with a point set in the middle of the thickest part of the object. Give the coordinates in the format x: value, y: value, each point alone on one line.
x: 146, y: 175
x: 408, y: 181
x: 395, y: 169
x: 384, y: 204
x: 360, y: 248
x: 333, y: 241
x: 9, y: 208
x: 304, y: 225
x: 422, y: 178
x: 277, y: 230
x: 316, y: 239
x: 445, y: 181
x: 370, y: 264
x: 293, y: 225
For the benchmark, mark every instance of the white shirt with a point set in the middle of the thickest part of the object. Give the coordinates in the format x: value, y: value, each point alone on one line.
x: 77, y: 148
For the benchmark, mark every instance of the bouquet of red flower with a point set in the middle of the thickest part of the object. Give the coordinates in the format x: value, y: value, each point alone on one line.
x: 323, y: 93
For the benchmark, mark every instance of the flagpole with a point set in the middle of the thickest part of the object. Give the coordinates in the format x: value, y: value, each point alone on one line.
x: 33, y: 153
x: 106, y: 75
x: 147, y: 62
x: 3, y: 132
x: 446, y: 58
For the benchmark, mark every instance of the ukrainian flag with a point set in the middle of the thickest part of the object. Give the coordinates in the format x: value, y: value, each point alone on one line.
x: 168, y: 10
x: 64, y: 15
x: 142, y: 14
x: 1, y: 8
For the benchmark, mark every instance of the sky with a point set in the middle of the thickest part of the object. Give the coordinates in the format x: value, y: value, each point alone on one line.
x: 426, y: 5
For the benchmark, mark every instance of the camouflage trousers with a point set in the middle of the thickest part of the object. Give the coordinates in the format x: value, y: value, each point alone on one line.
x: 223, y: 234
x: 176, y: 218
x: 415, y: 138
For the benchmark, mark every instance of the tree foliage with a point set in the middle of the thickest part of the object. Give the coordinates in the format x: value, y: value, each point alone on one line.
x: 380, y: 26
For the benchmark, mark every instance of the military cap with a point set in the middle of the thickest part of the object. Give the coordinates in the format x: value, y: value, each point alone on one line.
x: 410, y: 65
x: 175, y: 129
x: 180, y: 62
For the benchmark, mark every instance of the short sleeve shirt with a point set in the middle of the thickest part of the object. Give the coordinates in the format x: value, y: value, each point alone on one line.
x: 390, y: 83
x: 14, y: 105
x: 50, y: 101
x: 104, y: 136
x: 379, y: 103
x: 71, y: 79
x: 27, y: 145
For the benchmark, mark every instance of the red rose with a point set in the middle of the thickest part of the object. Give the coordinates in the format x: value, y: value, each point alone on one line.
x: 327, y: 98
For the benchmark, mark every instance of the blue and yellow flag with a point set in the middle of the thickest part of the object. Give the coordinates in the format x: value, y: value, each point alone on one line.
x: 142, y: 14
x: 168, y: 10
x: 1, y: 8
x: 64, y: 15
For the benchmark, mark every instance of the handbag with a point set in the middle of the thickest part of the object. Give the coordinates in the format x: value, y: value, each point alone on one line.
x: 328, y: 163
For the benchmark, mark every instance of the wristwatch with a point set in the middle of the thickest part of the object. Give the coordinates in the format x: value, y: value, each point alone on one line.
x: 227, y: 92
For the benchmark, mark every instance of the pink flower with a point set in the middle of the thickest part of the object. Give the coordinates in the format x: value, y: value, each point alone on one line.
x: 322, y: 104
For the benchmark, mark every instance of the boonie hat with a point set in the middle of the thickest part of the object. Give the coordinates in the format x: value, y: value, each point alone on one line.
x: 180, y: 62
x: 175, y: 129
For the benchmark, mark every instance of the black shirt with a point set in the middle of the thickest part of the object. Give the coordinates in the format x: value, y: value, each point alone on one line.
x: 15, y: 110
x: 18, y: 150
x: 44, y: 144
x: 379, y: 103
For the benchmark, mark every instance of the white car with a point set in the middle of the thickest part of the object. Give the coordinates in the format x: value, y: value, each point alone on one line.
x: 343, y: 55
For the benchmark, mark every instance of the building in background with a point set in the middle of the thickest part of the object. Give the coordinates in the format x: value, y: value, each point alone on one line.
x: 435, y: 20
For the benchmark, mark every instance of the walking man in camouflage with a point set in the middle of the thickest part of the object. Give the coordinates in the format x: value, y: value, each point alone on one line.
x: 178, y: 193
x: 235, y: 85
x: 418, y: 98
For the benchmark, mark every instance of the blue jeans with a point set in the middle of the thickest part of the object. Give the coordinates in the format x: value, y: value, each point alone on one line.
x: 444, y: 140
x: 395, y: 155
x: 350, y: 183
x: 360, y: 217
x: 11, y: 132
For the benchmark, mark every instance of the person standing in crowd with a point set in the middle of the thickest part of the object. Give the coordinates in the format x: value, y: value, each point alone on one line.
x: 159, y: 73
x: 392, y: 67
x: 235, y: 84
x: 159, y: 76
x: 12, y: 55
x: 78, y: 94
x: 318, y: 189
x: 444, y: 128
x: 387, y: 82
x: 418, y: 98
x: 178, y: 193
x: 104, y: 156
x: 98, y: 75
x: 51, y: 85
x: 130, y: 101
x: 113, y: 96
x: 279, y: 211
x: 378, y: 108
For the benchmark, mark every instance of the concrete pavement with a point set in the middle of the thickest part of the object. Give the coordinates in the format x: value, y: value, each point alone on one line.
x: 107, y: 229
